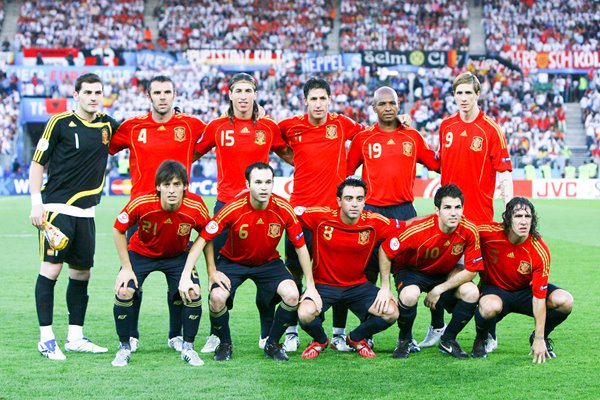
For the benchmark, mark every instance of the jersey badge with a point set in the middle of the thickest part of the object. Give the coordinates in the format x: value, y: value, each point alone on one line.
x: 299, y: 210
x: 184, y: 229
x: 363, y: 237
x: 331, y: 132
x: 42, y: 145
x: 394, y: 244
x: 524, y: 268
x: 259, y: 222
x: 212, y: 227
x: 391, y: 141
x: 123, y: 218
x: 161, y: 128
x: 274, y: 230
x: 457, y: 249
x: 407, y: 149
x: 105, y: 137
x: 477, y: 143
x: 260, y: 137
x: 179, y: 133
x: 72, y: 124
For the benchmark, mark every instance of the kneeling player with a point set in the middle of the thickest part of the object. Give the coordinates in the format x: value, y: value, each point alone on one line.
x: 255, y: 221
x: 425, y: 256
x: 515, y: 279
x: 165, y: 221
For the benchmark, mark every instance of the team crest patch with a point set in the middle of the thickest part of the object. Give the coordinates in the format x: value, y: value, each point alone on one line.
x: 274, y: 230
x: 123, y: 218
x: 184, y: 229
x: 407, y: 149
x: 331, y: 132
x: 524, y: 268
x: 179, y: 133
x: 363, y: 237
x: 42, y: 145
x: 105, y: 138
x: 457, y: 249
x: 212, y: 227
x: 260, y: 138
x: 477, y: 143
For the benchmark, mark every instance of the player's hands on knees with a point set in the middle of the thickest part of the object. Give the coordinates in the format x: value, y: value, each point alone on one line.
x: 432, y: 298
x: 539, y: 351
x: 383, y: 300
x: 313, y: 294
x: 220, y: 279
x: 188, y: 290
x: 123, y: 278
x: 37, y: 215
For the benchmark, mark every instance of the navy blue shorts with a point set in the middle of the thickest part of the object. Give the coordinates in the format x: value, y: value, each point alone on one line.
x: 407, y: 277
x: 518, y: 301
x: 358, y: 298
x: 80, y: 250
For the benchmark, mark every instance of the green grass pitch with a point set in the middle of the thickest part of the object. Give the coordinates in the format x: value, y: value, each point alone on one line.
x: 571, y: 229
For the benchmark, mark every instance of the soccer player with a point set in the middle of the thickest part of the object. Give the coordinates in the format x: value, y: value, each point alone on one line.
x: 425, y: 255
x: 255, y: 221
x: 344, y: 239
x: 472, y: 151
x: 515, y: 279
x: 165, y: 221
x: 74, y: 145
x: 240, y: 138
x: 162, y: 134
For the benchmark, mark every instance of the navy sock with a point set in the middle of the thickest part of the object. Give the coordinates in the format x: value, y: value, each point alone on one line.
x: 266, y: 313
x: 44, y: 300
x: 462, y: 314
x: 123, y: 312
x: 553, y: 319
x: 339, y: 315
x: 175, y: 313
x: 135, y: 318
x: 220, y: 323
x: 437, y: 317
x: 406, y: 320
x: 315, y: 330
x: 77, y: 301
x: 192, y: 313
x: 374, y: 324
x: 283, y: 318
x: 482, y: 325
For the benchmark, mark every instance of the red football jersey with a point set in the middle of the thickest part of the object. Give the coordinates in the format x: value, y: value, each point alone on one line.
x: 253, y: 235
x: 238, y: 145
x: 423, y: 247
x: 514, y: 266
x: 471, y: 154
x: 340, y: 251
x: 389, y: 163
x: 150, y: 143
x: 319, y: 157
x: 162, y: 234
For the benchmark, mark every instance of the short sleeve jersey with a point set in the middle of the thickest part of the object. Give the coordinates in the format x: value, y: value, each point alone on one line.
x: 423, y: 247
x: 471, y: 154
x: 162, y: 234
x: 319, y: 157
x: 514, y: 266
x: 389, y: 163
x: 76, y: 152
x: 150, y: 143
x: 238, y: 145
x: 340, y: 251
x: 253, y: 235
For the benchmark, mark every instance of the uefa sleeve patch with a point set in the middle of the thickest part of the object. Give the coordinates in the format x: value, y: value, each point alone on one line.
x: 299, y: 235
x: 212, y: 227
x: 42, y: 145
x: 394, y: 244
x: 123, y: 218
x: 299, y: 210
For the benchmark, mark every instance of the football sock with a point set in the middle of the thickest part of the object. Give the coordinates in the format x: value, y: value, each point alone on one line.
x: 293, y: 328
x: 265, y: 312
x: 283, y: 317
x: 192, y: 313
x: 406, y: 320
x: 374, y: 324
x: 175, y: 313
x: 220, y: 322
x: 462, y: 314
x: 482, y: 325
x: 339, y: 331
x: 492, y: 330
x: 77, y: 301
x: 437, y: 318
x: 46, y: 333
x: 44, y: 300
x: 553, y: 319
x: 123, y: 312
x: 74, y: 332
x: 340, y: 315
x: 135, y: 318
x: 315, y: 330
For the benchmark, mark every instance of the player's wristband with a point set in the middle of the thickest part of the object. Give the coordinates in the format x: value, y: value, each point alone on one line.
x: 36, y: 199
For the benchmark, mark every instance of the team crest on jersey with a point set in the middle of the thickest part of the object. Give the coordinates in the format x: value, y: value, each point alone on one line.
x: 274, y: 230
x: 457, y: 249
x: 184, y: 229
x: 524, y: 268
x: 477, y: 143
x: 331, y: 132
x: 363, y: 237
x: 260, y: 138
x: 180, y: 133
x: 105, y: 138
x: 407, y: 149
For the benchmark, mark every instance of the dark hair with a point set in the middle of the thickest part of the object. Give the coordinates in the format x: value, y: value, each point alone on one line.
x: 450, y: 190
x: 316, y: 83
x: 243, y: 77
x: 515, y: 204
x: 159, y: 78
x: 257, y: 165
x: 170, y: 169
x: 87, y: 78
x: 351, y: 181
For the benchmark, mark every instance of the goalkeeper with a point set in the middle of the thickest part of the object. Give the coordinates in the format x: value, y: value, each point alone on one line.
x: 74, y: 145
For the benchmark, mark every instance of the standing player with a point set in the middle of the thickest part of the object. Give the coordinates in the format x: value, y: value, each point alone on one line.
x: 165, y: 221
x: 162, y: 134
x: 472, y: 151
x: 344, y: 240
x: 75, y: 147
x: 425, y: 256
x: 240, y: 138
x: 515, y: 279
x: 255, y: 222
